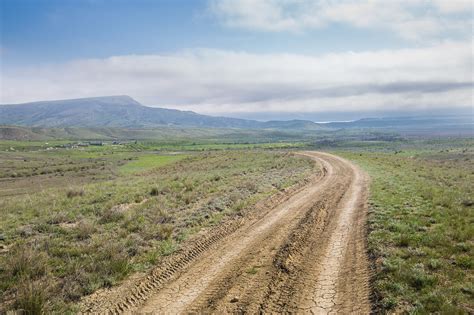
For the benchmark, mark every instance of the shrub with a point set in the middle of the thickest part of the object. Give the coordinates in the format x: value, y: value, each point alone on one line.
x: 167, y: 248
x: 434, y: 302
x: 388, y: 303
x: 120, y: 266
x: 419, y: 279
x: 434, y: 264
x: 188, y: 197
x: 188, y: 185
x: 165, y: 231
x: 464, y: 261
x: 75, y: 284
x: 27, y: 263
x: 404, y: 240
x: 31, y: 298
x: 134, y: 223
x: 113, y: 214
x: 154, y: 191
x: 114, y: 264
x: 251, y: 186
x: 71, y: 193
x: 152, y: 257
x: 84, y: 230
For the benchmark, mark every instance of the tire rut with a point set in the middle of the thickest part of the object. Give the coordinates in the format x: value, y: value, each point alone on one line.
x: 127, y: 298
x: 300, y: 253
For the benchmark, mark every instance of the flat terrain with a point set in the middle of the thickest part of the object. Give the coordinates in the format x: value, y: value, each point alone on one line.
x: 100, y: 214
x: 306, y: 253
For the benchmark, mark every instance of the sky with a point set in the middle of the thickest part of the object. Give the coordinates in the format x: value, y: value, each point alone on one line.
x: 260, y: 59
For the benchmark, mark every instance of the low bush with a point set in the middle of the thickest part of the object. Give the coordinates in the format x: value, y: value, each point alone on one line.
x: 31, y: 297
x: 71, y: 193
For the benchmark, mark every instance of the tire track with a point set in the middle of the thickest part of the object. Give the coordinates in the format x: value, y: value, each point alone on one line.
x: 303, y: 253
x: 331, y: 274
x: 128, y: 297
x: 210, y: 278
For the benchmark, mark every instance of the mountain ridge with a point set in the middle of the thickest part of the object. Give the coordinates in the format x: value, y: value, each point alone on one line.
x: 124, y: 112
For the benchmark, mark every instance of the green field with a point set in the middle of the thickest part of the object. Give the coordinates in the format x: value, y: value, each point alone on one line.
x: 71, y: 236
x: 147, y: 162
x: 421, y: 226
x: 73, y: 220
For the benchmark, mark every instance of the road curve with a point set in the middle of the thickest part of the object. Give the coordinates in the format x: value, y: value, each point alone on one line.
x: 305, y: 255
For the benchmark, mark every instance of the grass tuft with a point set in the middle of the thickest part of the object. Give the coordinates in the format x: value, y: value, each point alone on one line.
x: 31, y: 298
x: 71, y: 193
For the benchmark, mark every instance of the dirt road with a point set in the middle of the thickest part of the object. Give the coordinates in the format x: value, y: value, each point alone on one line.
x: 307, y: 254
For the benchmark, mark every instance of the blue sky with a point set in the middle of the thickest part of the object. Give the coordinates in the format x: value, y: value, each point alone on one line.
x: 58, y: 30
x: 244, y: 58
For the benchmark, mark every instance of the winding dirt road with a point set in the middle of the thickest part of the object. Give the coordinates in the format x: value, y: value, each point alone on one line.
x: 305, y: 254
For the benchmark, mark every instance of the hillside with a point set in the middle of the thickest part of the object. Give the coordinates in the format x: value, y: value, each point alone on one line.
x: 190, y: 134
x: 123, y: 112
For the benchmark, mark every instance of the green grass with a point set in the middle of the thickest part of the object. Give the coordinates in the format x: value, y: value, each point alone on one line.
x: 253, y: 270
x: 421, y: 228
x: 215, y: 144
x: 147, y: 162
x: 14, y: 145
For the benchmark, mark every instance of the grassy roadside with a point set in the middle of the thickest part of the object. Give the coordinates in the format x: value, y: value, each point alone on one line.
x: 60, y: 244
x: 421, y: 229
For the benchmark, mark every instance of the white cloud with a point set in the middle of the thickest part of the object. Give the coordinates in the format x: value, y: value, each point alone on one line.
x: 454, y: 6
x: 409, y: 19
x: 226, y: 82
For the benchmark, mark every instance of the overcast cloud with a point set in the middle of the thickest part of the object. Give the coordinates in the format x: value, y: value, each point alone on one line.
x: 226, y: 82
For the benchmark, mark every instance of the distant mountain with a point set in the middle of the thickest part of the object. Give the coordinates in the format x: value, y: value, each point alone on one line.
x: 415, y: 125
x: 292, y: 124
x: 398, y: 122
x: 125, y: 112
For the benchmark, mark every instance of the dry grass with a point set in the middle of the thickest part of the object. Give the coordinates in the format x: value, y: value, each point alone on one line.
x: 71, y: 193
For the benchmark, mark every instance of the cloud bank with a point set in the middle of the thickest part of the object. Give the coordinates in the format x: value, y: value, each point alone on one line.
x: 409, y: 19
x: 222, y: 82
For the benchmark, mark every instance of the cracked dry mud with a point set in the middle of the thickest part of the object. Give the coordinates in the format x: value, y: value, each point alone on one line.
x: 306, y: 253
